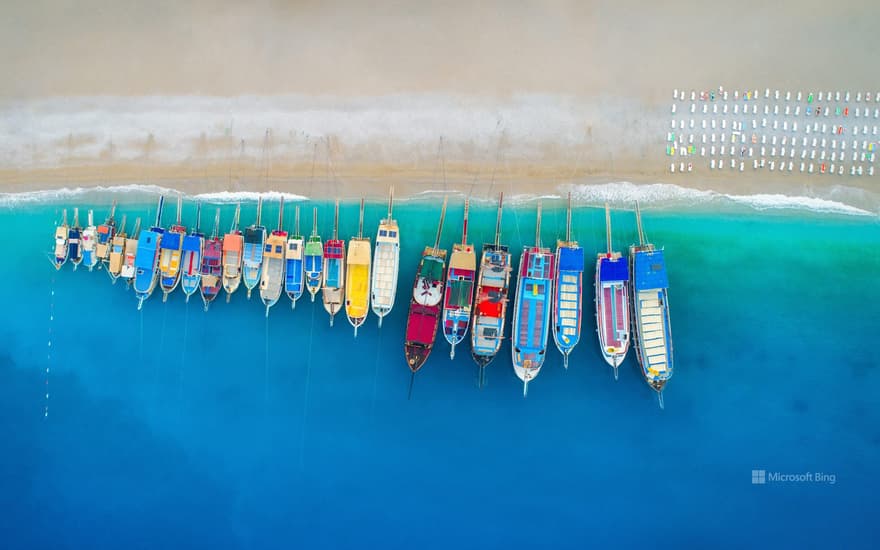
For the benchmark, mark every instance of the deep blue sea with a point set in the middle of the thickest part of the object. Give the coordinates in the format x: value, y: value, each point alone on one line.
x: 172, y: 427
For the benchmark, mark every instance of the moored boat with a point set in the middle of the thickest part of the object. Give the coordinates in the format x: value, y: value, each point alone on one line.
x: 212, y: 265
x: 62, y: 233
x: 490, y: 302
x: 146, y: 261
x: 272, y: 276
x: 334, y: 270
x: 652, y: 333
x: 127, y: 272
x: 357, y: 277
x: 612, y: 302
x: 106, y: 232
x: 252, y: 256
x: 386, y: 264
x: 74, y: 241
x: 233, y: 242
x: 89, y: 242
x: 314, y: 259
x: 459, y: 288
x: 191, y: 266
x: 531, y: 309
x: 568, y: 291
x: 113, y: 262
x: 293, y: 259
x: 170, y: 254
x: 425, y: 306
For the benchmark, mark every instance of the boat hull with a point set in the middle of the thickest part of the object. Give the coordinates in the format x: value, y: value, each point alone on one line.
x: 651, y: 328
x: 612, y: 315
x: 357, y: 282
x: 531, y: 317
x: 386, y: 267
x: 424, y: 308
x: 568, y: 291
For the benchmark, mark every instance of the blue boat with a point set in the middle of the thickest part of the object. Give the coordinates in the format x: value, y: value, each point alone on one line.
x: 252, y: 258
x: 652, y: 333
x: 191, y: 266
x: 531, y: 309
x: 170, y: 254
x: 74, y: 241
x: 146, y: 261
x: 569, y: 292
x: 293, y: 270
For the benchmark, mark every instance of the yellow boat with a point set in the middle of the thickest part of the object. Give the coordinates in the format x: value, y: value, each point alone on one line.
x: 357, y: 278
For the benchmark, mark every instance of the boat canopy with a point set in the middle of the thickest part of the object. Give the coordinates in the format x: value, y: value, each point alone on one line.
x: 192, y: 243
x: 171, y: 240
x: 431, y: 269
x: 571, y: 259
x: 613, y: 270
x: 650, y: 270
x: 422, y: 324
x: 232, y: 242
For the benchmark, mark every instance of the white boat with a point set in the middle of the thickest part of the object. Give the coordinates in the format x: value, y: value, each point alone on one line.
x: 272, y: 275
x: 386, y: 264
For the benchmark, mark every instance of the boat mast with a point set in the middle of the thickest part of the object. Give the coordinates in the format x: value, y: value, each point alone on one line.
x: 122, y: 225
x: 179, y: 207
x: 159, y: 211
x: 259, y: 209
x: 281, y: 214
x: 113, y: 209
x: 198, y: 217
x: 91, y: 217
x: 440, y: 227
x: 639, y: 224
x: 538, y: 228
x: 216, y: 231
x: 137, y: 227
x: 336, y: 220
x: 464, y: 224
x: 296, y: 220
x: 235, y: 218
x: 314, y: 223
x: 390, y: 202
x: 361, y: 221
x: 568, y: 220
x: 64, y: 217
x: 498, y: 221
x: 76, y: 217
x: 608, y: 227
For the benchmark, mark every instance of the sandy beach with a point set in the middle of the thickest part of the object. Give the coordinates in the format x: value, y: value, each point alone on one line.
x: 542, y: 95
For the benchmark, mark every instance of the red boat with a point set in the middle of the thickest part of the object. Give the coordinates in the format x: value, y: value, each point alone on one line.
x: 425, y: 303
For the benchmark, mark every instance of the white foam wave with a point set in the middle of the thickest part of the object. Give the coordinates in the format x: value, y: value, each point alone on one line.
x: 66, y: 194
x: 665, y: 194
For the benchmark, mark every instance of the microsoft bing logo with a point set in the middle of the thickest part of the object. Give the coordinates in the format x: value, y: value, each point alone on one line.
x: 759, y: 477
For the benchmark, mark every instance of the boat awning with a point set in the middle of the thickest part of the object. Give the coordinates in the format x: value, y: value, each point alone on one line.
x: 422, y: 325
x: 171, y: 240
x: 571, y: 259
x: 613, y: 270
x: 650, y: 270
x: 432, y: 269
x: 192, y: 243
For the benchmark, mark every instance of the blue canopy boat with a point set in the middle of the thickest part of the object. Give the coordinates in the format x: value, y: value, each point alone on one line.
x: 531, y: 309
x: 293, y: 271
x: 652, y: 332
x: 569, y: 291
x: 191, y: 266
x: 146, y: 261
x: 612, y: 302
x: 252, y: 258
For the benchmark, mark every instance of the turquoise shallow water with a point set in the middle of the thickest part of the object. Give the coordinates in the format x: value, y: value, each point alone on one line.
x: 173, y: 427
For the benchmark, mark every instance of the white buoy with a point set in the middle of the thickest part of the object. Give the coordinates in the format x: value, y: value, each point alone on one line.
x: 802, y: 167
x: 846, y: 97
x: 767, y: 93
x: 693, y: 108
x: 705, y: 108
x: 799, y: 96
x: 755, y: 164
x: 858, y: 97
x: 675, y: 94
x: 820, y: 96
x: 672, y: 167
x: 787, y: 96
x: 712, y: 164
x: 776, y: 95
x: 836, y: 98
x: 693, y: 95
